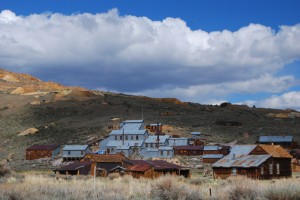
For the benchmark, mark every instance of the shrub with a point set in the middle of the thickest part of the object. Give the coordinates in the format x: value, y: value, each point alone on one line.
x: 113, y: 176
x: 4, y: 170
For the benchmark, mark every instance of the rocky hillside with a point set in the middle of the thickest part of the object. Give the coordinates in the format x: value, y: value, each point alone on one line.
x: 33, y: 111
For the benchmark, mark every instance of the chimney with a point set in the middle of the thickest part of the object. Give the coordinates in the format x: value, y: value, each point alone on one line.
x: 157, y: 132
x: 123, y: 137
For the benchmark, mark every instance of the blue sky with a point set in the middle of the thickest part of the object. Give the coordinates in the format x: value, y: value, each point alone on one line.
x: 200, y: 51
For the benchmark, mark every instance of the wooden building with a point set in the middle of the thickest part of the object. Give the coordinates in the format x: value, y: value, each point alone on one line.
x: 153, y: 127
x: 255, y: 161
x: 155, y: 168
x: 106, y: 163
x: 76, y: 168
x: 286, y: 142
x: 211, y: 158
x: 188, y: 150
x: 75, y: 152
x: 216, y: 149
x: 42, y: 151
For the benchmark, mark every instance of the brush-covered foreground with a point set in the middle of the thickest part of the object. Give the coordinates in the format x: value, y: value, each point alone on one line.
x: 41, y: 187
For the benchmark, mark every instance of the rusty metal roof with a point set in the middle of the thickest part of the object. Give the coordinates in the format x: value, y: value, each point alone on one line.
x: 188, y: 148
x: 48, y: 147
x: 241, y: 161
x: 105, y: 157
x: 275, y: 138
x: 157, y: 164
x: 74, y: 166
x: 139, y: 168
x: 276, y: 151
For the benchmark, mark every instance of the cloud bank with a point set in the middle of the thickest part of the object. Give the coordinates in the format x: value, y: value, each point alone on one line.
x: 140, y: 56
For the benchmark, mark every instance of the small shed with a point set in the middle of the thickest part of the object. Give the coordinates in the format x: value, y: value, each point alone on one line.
x: 76, y: 168
x: 75, y: 152
x: 37, y: 151
x: 195, y: 135
x: 188, y: 150
x: 211, y: 158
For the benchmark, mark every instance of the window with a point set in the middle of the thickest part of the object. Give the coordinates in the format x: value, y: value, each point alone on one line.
x: 271, y: 168
x: 168, y: 153
x: 161, y: 153
x: 233, y: 171
x: 69, y: 152
x: 146, y: 145
x: 116, y: 137
x: 131, y: 137
x: 126, y: 137
x: 151, y: 145
x: 121, y: 137
x: 277, y: 168
x: 82, y: 152
x: 112, y: 150
x: 137, y: 137
x: 262, y: 170
x: 156, y: 145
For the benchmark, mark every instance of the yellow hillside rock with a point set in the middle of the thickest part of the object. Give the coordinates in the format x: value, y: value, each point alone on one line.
x: 10, y: 78
x: 18, y: 90
x: 29, y: 131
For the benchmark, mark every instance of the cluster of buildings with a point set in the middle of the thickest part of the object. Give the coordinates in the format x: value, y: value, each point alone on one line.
x: 264, y: 160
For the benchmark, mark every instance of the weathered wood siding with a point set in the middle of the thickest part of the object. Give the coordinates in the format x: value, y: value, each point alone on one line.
x: 36, y: 154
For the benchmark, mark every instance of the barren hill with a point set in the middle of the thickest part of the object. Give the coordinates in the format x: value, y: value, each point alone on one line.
x: 67, y: 115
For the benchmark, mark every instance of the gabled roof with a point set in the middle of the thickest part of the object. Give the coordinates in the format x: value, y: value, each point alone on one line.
x: 276, y: 151
x: 132, y: 124
x: 130, y: 143
x: 128, y: 132
x: 75, y: 147
x: 153, y: 139
x: 48, y: 147
x: 241, y: 150
x: 275, y: 138
x: 139, y: 168
x: 211, y: 148
x: 212, y: 156
x: 105, y: 157
x: 199, y: 148
x: 74, y: 166
x: 241, y: 161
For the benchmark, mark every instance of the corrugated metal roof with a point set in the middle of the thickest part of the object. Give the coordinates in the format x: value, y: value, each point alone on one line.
x: 242, y: 149
x: 212, y: 156
x: 75, y: 147
x: 132, y: 126
x: 153, y: 139
x: 138, y: 168
x: 195, y: 133
x: 276, y: 151
x: 105, y: 158
x: 181, y: 138
x: 211, y: 148
x: 199, y: 148
x: 123, y: 147
x: 128, y: 132
x: 133, y: 121
x: 275, y: 138
x: 242, y: 161
x: 74, y: 166
x: 132, y: 143
x: 48, y: 147
x: 165, y: 148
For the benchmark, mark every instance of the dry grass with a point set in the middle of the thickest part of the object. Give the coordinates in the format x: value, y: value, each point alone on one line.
x: 44, y: 187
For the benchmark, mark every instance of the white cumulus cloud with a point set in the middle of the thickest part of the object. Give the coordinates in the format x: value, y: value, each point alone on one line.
x: 139, y: 55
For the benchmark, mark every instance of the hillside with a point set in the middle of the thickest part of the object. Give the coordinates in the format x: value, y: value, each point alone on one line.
x: 68, y: 115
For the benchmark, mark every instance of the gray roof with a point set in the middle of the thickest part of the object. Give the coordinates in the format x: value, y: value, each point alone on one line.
x: 133, y: 121
x: 75, y: 147
x: 275, y: 138
x: 195, y: 133
x: 153, y: 139
x: 211, y: 148
x: 212, y: 156
x: 181, y: 138
x: 155, y: 124
x: 123, y: 147
x: 165, y: 148
x: 243, y: 161
x: 242, y: 149
x: 132, y: 124
x: 128, y: 132
x: 132, y: 143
